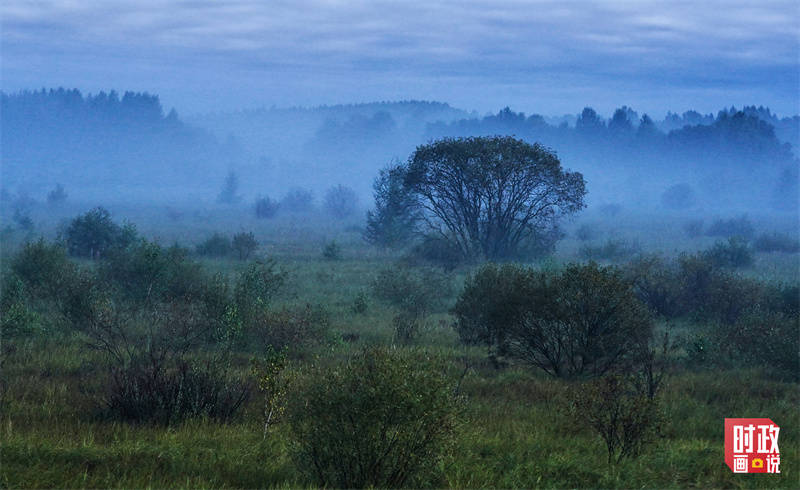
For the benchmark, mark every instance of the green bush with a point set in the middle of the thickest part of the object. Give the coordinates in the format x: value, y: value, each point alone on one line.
x: 415, y: 290
x: 494, y: 299
x: 217, y: 245
x: 144, y: 271
x: 44, y: 269
x: 741, y: 227
x: 583, y: 321
x: 382, y: 419
x: 656, y: 284
x: 733, y: 254
x: 298, y: 200
x: 266, y: 208
x: 288, y: 328
x: 768, y: 340
x: 393, y: 222
x: 624, y: 417
x: 433, y: 251
x: 151, y: 351
x: 332, y: 251
x: 776, y: 242
x: 256, y: 286
x: 16, y: 317
x: 613, y: 250
x: 244, y: 244
x: 162, y: 394
x: 94, y: 233
x: 272, y: 380
x: 360, y: 303
x: 57, y: 196
x: 341, y: 201
x: 414, y: 293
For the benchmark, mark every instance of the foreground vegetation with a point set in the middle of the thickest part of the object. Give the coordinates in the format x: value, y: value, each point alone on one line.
x: 149, y: 366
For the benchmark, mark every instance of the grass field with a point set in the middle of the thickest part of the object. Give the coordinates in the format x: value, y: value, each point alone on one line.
x: 517, y: 430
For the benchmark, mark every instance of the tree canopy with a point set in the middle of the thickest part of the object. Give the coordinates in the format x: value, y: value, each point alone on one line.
x: 491, y: 196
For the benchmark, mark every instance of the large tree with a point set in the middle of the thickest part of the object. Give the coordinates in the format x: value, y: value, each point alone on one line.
x: 490, y: 197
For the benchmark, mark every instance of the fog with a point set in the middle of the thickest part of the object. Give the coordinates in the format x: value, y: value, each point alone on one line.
x: 157, y: 103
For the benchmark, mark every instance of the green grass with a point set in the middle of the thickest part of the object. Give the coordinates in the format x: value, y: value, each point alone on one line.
x: 517, y: 431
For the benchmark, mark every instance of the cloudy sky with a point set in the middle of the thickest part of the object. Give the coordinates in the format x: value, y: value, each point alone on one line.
x: 550, y: 57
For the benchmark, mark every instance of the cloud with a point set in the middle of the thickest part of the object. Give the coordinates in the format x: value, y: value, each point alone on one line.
x: 372, y: 44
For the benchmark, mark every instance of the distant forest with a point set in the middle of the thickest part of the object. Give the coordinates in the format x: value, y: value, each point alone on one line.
x: 128, y: 142
x: 63, y: 136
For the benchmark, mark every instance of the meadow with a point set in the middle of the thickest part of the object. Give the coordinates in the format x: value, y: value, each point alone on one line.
x: 517, y: 426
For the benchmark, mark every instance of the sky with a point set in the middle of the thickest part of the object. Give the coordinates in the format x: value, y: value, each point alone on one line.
x: 546, y: 57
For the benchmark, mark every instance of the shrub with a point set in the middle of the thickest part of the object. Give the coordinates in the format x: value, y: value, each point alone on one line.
x: 272, y: 382
x: 228, y: 194
x: 145, y: 271
x: 776, y: 242
x: 735, y: 253
x: 57, y: 196
x: 149, y: 348
x: 584, y: 321
x: 729, y: 296
x: 612, y: 250
x: 678, y: 196
x: 434, y: 251
x: 266, y: 208
x: 624, y: 417
x: 332, y: 251
x: 695, y: 274
x: 341, y: 201
x: 382, y: 419
x: 413, y: 290
x: 764, y: 339
x: 255, y: 287
x: 94, y: 233
x: 539, y: 244
x: 360, y: 304
x: 22, y: 219
x: 741, y: 227
x: 492, y: 301
x: 217, y: 245
x: 298, y: 200
x: 656, y: 283
x: 44, y: 269
x: 289, y: 328
x: 145, y: 391
x: 16, y: 318
x: 244, y: 244
x: 393, y: 222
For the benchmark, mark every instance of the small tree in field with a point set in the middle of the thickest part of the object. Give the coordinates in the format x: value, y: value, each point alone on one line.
x: 266, y: 208
x: 94, y: 233
x: 298, y: 200
x: 244, y: 244
x: 341, y: 201
x: 489, y: 196
x: 57, y: 196
x: 394, y: 220
x: 229, y: 193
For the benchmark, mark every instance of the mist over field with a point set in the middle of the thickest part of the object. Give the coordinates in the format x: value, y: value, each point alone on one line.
x: 111, y: 147
x: 379, y: 244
